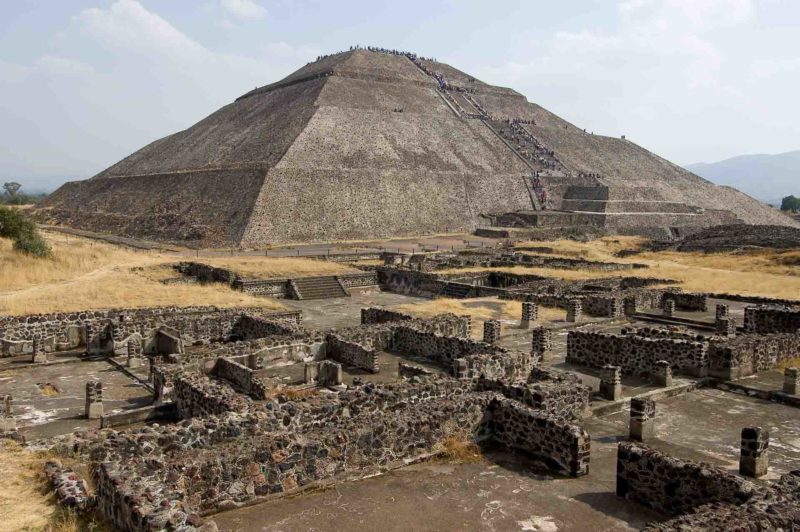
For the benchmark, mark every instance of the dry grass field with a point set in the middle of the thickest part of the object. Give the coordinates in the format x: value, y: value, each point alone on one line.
x: 278, y: 267
x: 762, y: 273
x: 86, y: 274
x: 26, y: 501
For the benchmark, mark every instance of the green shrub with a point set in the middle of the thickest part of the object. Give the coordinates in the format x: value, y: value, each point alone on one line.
x: 33, y: 245
x: 19, y: 228
x: 13, y: 223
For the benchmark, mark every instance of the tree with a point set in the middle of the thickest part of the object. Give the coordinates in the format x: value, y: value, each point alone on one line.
x: 12, y: 188
x: 790, y: 203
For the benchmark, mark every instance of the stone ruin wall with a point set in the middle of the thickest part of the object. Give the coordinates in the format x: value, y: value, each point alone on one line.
x: 764, y: 320
x: 205, y: 273
x: 194, y: 324
x: 249, y: 327
x: 195, y: 395
x: 674, y: 486
x: 750, y: 353
x: 241, y: 378
x: 352, y: 353
x: 292, y: 445
x: 564, y: 399
x: 478, y: 358
x: 691, y: 301
x: 636, y: 354
x: 374, y: 315
x: 775, y: 508
x: 562, y: 447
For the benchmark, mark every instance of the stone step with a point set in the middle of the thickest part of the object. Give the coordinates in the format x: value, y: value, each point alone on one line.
x: 319, y: 288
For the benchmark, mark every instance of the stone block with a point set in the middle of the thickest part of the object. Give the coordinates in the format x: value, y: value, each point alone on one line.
x: 310, y: 372
x: 611, y: 383
x: 669, y: 308
x: 721, y: 311
x: 330, y: 373
x: 663, y: 373
x: 642, y: 421
x: 574, y: 310
x: 530, y: 312
x: 38, y: 356
x: 491, y: 331
x: 753, y: 460
x: 94, y: 400
x: 541, y: 342
x: 725, y: 326
x: 791, y: 381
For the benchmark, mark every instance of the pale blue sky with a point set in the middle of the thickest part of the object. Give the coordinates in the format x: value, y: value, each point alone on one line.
x: 84, y: 83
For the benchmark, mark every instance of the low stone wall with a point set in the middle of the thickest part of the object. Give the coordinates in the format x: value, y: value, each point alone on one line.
x: 750, y: 353
x: 241, y: 378
x: 691, y: 301
x: 565, y: 399
x: 673, y: 486
x: 776, y: 507
x: 375, y: 315
x: 636, y: 354
x: 249, y: 327
x: 71, y: 489
x: 358, y: 280
x: 195, y: 395
x: 562, y: 447
x: 602, y: 306
x: 277, y: 288
x: 110, y: 329
x: 352, y: 353
x: 258, y: 461
x: 205, y: 273
x: 764, y: 320
x: 466, y: 358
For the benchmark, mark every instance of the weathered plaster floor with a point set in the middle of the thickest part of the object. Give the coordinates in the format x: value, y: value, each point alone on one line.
x: 499, y: 494
x: 40, y: 414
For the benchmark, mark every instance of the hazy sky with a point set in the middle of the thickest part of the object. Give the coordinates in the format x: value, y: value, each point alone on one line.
x: 84, y: 83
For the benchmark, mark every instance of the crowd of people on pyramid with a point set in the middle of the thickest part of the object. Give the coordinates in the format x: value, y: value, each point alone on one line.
x: 594, y: 175
x: 538, y: 188
x: 514, y: 132
x: 525, y: 141
x: 378, y: 49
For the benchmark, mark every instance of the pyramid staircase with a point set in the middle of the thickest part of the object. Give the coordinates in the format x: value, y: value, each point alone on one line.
x: 318, y: 288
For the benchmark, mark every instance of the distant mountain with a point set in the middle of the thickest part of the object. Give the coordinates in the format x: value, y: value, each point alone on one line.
x: 765, y: 177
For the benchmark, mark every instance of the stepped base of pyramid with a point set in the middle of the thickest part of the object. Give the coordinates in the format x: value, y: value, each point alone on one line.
x: 545, y: 225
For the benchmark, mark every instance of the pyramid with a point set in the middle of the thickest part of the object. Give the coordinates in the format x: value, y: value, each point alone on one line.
x: 370, y: 144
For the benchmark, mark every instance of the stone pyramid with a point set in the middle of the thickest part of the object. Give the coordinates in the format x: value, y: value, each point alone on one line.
x: 372, y: 143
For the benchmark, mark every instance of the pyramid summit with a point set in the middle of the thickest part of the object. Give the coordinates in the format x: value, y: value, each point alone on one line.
x: 371, y: 143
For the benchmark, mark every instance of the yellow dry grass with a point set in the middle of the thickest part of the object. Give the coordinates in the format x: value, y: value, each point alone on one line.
x: 93, y: 275
x: 788, y: 363
x: 762, y: 273
x: 601, y: 249
x: 459, y: 450
x: 480, y: 309
x: 26, y: 501
x: 278, y: 267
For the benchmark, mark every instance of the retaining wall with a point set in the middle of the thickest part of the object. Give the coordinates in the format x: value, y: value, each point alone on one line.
x: 673, y: 486
x: 636, y: 354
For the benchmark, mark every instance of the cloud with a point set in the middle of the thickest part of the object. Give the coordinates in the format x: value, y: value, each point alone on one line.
x: 244, y: 9
x: 64, y: 66
x: 122, y: 77
x: 660, y: 63
x: 127, y: 24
